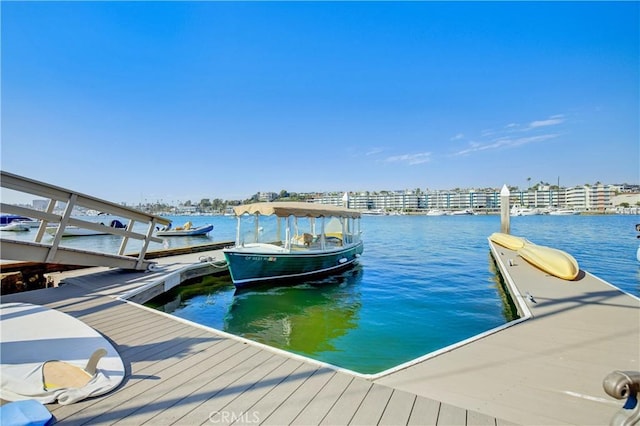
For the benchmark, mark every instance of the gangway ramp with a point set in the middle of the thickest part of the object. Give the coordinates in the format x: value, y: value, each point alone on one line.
x: 53, y: 252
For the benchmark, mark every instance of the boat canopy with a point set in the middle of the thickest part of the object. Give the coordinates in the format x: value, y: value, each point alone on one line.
x: 295, y: 208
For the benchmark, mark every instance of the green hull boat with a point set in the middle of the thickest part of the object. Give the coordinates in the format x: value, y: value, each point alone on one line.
x: 329, y: 243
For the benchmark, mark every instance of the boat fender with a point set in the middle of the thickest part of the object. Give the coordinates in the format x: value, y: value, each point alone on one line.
x: 624, y: 385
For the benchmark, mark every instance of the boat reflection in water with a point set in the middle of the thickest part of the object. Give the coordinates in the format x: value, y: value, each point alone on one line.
x: 305, y: 319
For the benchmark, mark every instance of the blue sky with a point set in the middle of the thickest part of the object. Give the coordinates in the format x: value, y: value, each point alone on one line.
x: 138, y: 101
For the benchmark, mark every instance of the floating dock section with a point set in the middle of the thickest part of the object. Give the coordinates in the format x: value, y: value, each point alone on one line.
x: 549, y: 367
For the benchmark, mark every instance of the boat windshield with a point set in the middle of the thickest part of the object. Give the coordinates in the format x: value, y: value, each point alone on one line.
x: 296, y: 233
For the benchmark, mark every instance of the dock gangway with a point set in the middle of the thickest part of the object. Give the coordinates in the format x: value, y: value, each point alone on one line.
x: 52, y: 251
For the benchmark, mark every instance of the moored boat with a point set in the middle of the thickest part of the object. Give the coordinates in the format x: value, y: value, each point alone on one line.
x: 465, y: 212
x: 186, y: 230
x: 374, y: 212
x: 76, y: 231
x: 518, y: 210
x: 8, y: 219
x: 564, y: 212
x: 329, y: 242
x: 15, y: 226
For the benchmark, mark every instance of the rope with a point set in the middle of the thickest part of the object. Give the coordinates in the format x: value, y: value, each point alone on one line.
x: 213, y: 261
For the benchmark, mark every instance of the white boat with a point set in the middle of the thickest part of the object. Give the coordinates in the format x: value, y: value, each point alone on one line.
x: 564, y: 212
x: 374, y: 212
x: 76, y: 231
x: 31, y: 223
x: 15, y: 226
x: 518, y: 210
x: 436, y: 212
x: 186, y: 230
x: 466, y: 212
x: 7, y: 219
x: 318, y: 239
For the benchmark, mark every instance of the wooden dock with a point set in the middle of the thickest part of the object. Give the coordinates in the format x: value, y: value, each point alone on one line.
x: 180, y: 373
x: 547, y: 369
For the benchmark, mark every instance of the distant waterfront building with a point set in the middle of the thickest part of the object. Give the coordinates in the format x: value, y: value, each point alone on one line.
x: 187, y: 210
x: 591, y: 198
x: 267, y: 196
x: 541, y: 196
x: 334, y: 199
x: 597, y: 197
x: 40, y: 204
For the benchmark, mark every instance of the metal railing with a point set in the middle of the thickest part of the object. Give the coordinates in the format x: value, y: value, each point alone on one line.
x: 52, y: 252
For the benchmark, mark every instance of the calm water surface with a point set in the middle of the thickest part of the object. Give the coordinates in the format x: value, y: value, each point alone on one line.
x: 423, y: 283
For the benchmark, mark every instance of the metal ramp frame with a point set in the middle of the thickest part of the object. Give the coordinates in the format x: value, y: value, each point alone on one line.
x: 54, y: 253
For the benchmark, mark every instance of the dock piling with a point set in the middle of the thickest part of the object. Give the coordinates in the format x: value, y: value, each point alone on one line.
x: 505, y: 226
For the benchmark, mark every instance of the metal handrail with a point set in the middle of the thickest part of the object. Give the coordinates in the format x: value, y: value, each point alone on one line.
x: 73, y: 199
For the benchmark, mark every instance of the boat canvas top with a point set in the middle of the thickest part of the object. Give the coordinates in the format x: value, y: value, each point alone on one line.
x: 6, y: 219
x: 295, y: 208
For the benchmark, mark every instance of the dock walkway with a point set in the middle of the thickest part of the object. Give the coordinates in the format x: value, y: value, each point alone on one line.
x: 547, y: 369
x: 180, y: 373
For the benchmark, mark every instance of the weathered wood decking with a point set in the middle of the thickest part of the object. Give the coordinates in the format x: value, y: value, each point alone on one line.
x: 183, y: 374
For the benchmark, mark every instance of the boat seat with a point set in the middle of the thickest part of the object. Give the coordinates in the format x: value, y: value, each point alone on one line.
x: 304, y: 239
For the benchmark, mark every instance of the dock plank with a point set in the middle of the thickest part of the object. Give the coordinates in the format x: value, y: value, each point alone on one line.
x: 424, y: 412
x: 144, y: 377
x: 244, y: 408
x: 372, y: 407
x: 453, y: 416
x: 289, y: 410
x: 282, y: 391
x: 348, y: 403
x: 213, y: 397
x: 190, y: 384
x: 199, y: 389
x: 479, y: 419
x: 145, y: 396
x: 323, y: 401
x: 398, y: 409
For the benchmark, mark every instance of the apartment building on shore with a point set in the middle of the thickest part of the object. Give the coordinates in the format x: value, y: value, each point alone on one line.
x: 588, y: 198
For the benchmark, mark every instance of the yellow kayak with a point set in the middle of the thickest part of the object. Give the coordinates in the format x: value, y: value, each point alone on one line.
x: 509, y: 241
x: 553, y: 261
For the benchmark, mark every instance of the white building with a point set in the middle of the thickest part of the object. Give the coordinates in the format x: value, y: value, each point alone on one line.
x: 597, y: 197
